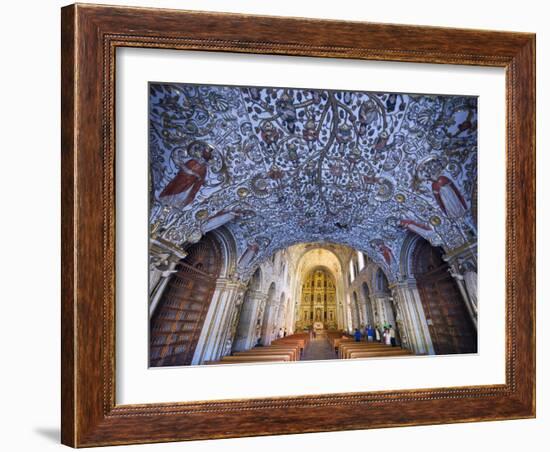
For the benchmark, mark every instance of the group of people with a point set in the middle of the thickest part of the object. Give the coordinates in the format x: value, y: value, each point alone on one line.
x: 380, y: 333
x: 281, y: 333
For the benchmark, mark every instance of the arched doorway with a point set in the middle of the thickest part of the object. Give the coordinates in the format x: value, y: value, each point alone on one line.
x: 178, y: 320
x: 450, y: 327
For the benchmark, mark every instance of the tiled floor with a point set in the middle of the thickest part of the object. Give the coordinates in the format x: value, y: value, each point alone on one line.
x: 318, y: 349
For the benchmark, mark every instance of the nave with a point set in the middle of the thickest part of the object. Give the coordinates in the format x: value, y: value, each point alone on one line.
x: 306, y: 347
x: 310, y: 296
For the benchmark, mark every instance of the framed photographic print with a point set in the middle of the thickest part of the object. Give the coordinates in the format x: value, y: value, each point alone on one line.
x: 281, y: 225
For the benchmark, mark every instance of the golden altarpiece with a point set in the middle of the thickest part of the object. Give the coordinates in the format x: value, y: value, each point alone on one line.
x: 317, y: 307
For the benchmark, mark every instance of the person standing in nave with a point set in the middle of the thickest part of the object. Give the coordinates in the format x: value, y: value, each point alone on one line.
x: 280, y: 334
x: 392, y: 336
x: 377, y: 332
x: 357, y: 335
x: 284, y: 333
x: 370, y: 333
x: 387, y: 337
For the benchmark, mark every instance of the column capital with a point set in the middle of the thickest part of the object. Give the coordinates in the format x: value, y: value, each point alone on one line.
x: 230, y: 283
x: 465, y: 252
x: 159, y: 246
x: 257, y: 294
x: 407, y: 283
x: 381, y: 295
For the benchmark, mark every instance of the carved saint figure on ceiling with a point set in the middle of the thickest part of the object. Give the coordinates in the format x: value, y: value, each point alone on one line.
x: 449, y: 197
x: 185, y: 185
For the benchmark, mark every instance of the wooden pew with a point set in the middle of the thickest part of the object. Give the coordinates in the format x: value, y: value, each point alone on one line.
x: 292, y: 353
x: 259, y: 358
x: 250, y: 359
x: 349, y: 345
x: 272, y: 353
x: 378, y: 354
x: 331, y: 335
x: 351, y: 348
x: 288, y: 341
x: 340, y: 340
x: 389, y: 350
x: 288, y: 348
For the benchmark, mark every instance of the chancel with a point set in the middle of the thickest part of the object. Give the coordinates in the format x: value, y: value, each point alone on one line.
x: 301, y: 224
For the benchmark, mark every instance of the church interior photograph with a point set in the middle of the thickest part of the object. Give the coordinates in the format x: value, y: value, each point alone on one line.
x: 295, y: 224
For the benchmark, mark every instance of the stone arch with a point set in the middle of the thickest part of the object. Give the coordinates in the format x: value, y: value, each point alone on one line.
x: 177, y: 322
x: 407, y: 249
x: 451, y: 329
x: 228, y: 248
x: 244, y: 336
x: 324, y: 257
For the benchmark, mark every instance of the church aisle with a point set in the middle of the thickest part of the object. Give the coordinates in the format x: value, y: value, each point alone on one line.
x: 318, y: 349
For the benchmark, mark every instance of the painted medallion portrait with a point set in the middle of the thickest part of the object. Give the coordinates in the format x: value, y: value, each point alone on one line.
x: 294, y: 224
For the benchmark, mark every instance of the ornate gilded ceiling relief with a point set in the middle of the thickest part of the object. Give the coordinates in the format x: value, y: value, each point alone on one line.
x: 279, y: 166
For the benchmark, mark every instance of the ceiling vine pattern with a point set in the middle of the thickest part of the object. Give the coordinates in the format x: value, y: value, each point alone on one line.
x: 279, y: 166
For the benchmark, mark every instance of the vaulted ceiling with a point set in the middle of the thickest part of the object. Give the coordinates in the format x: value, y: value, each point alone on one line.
x: 280, y: 166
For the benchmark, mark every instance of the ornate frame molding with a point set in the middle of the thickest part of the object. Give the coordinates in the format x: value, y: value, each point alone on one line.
x: 90, y: 36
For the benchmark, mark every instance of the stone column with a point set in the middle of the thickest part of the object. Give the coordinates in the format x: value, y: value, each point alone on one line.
x: 365, y: 313
x: 246, y: 331
x: 349, y: 320
x: 267, y: 325
x: 259, y: 320
x: 340, y: 316
x: 377, y: 311
x: 217, y: 327
x: 382, y: 303
x: 226, y: 344
x: 463, y: 268
x: 411, y: 320
x: 163, y: 258
x: 289, y: 317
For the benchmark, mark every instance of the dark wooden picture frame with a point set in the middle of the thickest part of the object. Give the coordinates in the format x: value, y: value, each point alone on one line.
x: 90, y: 37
